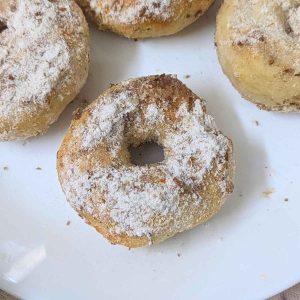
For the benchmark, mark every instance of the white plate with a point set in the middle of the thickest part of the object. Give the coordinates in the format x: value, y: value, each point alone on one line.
x: 250, y: 250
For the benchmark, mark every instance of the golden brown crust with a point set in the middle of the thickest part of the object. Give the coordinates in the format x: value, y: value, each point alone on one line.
x: 132, y: 205
x: 258, y: 45
x: 143, y: 18
x: 37, y: 85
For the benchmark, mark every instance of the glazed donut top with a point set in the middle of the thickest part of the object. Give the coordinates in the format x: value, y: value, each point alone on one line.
x: 96, y: 171
x: 136, y: 11
x: 270, y: 27
x: 36, y: 50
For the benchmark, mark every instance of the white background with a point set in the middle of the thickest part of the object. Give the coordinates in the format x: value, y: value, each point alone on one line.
x: 250, y: 250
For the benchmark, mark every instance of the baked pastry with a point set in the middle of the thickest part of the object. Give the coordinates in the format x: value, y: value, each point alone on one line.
x: 135, y: 205
x: 144, y: 18
x: 44, y: 59
x: 258, y: 44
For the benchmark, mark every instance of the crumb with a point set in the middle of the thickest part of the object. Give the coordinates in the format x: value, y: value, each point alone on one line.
x: 268, y: 192
x: 264, y: 276
x: 178, y: 254
x: 241, y: 195
x: 266, y: 167
x: 187, y: 76
x: 286, y: 199
x: 68, y: 223
x: 256, y: 123
x: 136, y: 40
x: 77, y: 113
x: 5, y: 168
x: 38, y: 168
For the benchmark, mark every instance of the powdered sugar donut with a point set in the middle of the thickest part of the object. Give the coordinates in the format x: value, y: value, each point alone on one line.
x: 44, y: 58
x: 258, y: 44
x: 135, y: 205
x: 144, y: 18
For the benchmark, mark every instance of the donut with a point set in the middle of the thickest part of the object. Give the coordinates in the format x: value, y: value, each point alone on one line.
x: 258, y: 44
x: 44, y: 59
x: 144, y: 18
x: 136, y: 205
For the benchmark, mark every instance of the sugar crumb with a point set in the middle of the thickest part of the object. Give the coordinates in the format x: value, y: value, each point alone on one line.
x: 268, y: 192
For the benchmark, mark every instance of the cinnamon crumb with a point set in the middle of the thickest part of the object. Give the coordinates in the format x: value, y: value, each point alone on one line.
x: 68, y: 223
x: 38, y: 168
x: 77, y: 114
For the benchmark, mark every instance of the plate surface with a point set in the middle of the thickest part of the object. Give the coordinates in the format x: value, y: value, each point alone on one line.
x: 250, y: 250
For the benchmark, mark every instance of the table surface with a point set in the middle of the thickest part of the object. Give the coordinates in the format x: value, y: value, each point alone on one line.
x: 250, y: 250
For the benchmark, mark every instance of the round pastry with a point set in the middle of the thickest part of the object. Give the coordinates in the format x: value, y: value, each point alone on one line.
x: 135, y: 205
x: 258, y: 43
x: 144, y: 18
x: 44, y: 59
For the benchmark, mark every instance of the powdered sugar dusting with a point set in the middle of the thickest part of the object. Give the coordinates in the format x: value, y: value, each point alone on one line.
x: 274, y: 22
x: 107, y: 120
x: 144, y: 200
x: 32, y: 62
x: 154, y: 114
x: 190, y: 163
x: 34, y: 55
x: 133, y: 12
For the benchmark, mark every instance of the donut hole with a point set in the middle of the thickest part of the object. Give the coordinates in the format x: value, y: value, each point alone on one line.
x: 2, y: 26
x: 146, y: 153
